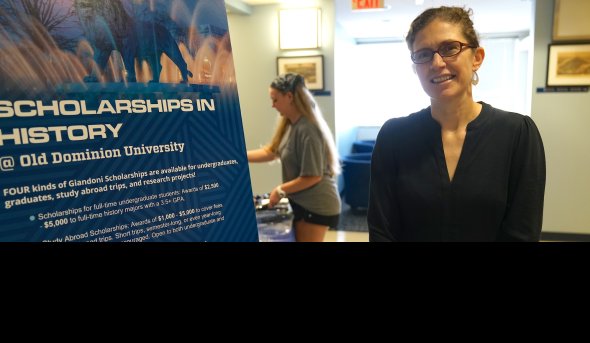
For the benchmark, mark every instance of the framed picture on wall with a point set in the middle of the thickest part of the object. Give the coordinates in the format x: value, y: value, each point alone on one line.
x: 568, y: 65
x: 570, y: 20
x: 310, y: 67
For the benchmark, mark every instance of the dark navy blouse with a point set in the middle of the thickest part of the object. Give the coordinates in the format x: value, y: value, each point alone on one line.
x: 496, y: 193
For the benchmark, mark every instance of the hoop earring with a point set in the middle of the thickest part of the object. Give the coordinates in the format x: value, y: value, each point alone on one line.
x: 475, y: 78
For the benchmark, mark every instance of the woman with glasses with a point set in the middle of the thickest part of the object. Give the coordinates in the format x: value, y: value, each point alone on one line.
x: 458, y: 170
x: 309, y: 160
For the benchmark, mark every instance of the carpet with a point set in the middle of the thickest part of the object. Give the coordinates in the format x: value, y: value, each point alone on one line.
x: 353, y: 220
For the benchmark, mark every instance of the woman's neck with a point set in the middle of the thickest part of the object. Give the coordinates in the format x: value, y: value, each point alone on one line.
x: 293, y: 117
x: 455, y: 115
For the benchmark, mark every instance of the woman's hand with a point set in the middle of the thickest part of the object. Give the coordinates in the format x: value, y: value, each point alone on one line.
x: 274, y: 198
x: 293, y: 186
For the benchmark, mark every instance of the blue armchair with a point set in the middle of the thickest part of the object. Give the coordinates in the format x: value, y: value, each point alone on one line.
x: 356, y: 170
x: 363, y: 146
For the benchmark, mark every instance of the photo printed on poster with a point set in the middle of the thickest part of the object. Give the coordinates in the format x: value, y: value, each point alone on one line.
x: 120, y: 121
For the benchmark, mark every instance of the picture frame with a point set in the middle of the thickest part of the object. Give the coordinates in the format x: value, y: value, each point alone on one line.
x: 570, y: 20
x: 310, y: 67
x: 568, y: 65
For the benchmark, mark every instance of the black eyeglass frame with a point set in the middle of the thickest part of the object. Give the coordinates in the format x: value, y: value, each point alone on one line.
x: 461, y: 49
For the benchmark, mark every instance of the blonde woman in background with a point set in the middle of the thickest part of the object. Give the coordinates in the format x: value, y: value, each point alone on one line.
x: 304, y: 144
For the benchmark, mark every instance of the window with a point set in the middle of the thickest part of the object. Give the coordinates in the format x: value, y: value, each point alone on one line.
x: 385, y: 86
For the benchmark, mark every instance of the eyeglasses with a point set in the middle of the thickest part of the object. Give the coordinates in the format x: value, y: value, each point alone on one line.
x: 448, y: 49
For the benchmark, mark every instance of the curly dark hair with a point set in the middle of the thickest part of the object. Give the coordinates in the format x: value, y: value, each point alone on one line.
x: 287, y: 82
x: 455, y: 15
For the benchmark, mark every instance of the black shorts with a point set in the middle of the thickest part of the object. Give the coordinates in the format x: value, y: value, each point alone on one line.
x: 300, y: 212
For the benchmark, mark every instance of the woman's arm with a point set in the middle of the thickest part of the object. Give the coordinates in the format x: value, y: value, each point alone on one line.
x: 261, y: 155
x: 293, y: 186
x: 300, y: 183
x: 526, y: 191
x: 383, y: 217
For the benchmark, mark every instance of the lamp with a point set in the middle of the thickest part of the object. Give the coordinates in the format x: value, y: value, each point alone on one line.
x: 299, y: 28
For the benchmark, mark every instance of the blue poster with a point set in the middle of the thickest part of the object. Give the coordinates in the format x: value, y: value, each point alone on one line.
x: 120, y: 122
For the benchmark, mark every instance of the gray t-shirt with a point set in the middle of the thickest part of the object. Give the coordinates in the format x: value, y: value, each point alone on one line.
x: 303, y: 153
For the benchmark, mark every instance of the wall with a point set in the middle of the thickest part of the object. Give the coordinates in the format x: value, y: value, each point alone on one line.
x: 564, y: 122
x: 255, y: 45
x: 346, y: 126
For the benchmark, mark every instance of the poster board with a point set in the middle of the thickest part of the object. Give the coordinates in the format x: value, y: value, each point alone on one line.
x: 120, y: 121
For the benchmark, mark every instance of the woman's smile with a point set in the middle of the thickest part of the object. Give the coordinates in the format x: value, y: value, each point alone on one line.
x: 442, y: 78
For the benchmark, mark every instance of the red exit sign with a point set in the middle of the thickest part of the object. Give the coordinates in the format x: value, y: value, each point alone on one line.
x: 367, y: 4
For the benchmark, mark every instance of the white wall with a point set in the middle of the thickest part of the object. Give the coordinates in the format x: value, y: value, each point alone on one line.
x: 255, y: 45
x: 564, y: 122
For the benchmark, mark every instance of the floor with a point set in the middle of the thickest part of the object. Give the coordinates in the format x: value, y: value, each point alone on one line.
x: 346, y: 236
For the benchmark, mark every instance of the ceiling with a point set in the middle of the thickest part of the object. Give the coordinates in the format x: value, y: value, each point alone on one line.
x: 497, y: 16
